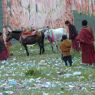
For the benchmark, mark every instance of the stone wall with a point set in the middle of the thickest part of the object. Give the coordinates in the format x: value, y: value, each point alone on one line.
x: 36, y: 13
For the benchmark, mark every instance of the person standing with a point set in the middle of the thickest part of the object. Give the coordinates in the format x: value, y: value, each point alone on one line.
x: 65, y: 48
x: 86, y: 40
x: 72, y: 35
x: 3, y: 50
x: 8, y: 44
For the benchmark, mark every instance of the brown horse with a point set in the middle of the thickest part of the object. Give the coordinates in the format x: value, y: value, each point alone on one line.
x: 32, y: 39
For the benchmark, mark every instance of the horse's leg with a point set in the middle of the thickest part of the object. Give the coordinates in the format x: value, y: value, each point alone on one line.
x: 40, y: 48
x: 57, y: 46
x: 25, y: 46
x: 43, y: 50
x: 43, y: 47
x: 42, y: 43
x: 52, y: 46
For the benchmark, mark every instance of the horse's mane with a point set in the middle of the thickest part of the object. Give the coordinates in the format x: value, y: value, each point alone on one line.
x: 0, y: 33
x: 16, y: 31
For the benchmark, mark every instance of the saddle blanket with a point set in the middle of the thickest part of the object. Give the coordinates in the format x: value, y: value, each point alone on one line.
x: 28, y: 33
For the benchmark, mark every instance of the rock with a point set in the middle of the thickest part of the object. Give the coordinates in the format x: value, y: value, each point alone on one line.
x: 76, y: 73
x: 12, y: 82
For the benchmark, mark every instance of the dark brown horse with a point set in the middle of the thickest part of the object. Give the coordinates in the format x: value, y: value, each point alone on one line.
x: 37, y: 38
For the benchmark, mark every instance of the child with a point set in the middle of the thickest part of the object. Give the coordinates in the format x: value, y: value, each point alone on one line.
x: 65, y: 48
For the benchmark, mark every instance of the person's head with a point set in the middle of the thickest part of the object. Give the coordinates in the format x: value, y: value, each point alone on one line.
x: 64, y: 37
x: 47, y: 27
x: 84, y: 23
x: 67, y: 22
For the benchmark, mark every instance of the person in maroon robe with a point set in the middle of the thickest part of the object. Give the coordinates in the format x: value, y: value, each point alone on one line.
x: 3, y: 50
x: 72, y: 35
x: 86, y: 40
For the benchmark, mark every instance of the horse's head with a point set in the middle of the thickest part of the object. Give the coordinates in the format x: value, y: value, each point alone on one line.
x: 16, y: 34
x: 1, y: 37
x: 0, y: 33
x: 47, y: 32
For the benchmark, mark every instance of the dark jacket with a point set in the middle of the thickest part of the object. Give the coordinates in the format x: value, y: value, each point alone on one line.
x: 72, y: 32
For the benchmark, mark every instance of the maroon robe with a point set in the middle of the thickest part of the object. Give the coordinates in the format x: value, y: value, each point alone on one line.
x: 3, y: 51
x: 75, y: 45
x: 86, y: 39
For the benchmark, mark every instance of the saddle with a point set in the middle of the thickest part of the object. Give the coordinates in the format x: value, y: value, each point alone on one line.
x: 26, y: 34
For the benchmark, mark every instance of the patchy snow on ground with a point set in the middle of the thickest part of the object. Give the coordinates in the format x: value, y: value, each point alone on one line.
x: 54, y: 76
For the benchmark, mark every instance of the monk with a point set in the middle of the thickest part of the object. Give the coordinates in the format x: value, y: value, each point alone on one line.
x: 86, y: 40
x: 7, y: 44
x: 3, y: 50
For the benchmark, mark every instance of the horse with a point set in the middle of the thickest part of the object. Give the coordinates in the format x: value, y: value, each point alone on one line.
x: 54, y: 35
x: 29, y: 40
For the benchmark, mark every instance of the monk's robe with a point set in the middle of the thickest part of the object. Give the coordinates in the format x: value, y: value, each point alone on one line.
x: 86, y: 40
x: 3, y: 51
x: 7, y: 44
